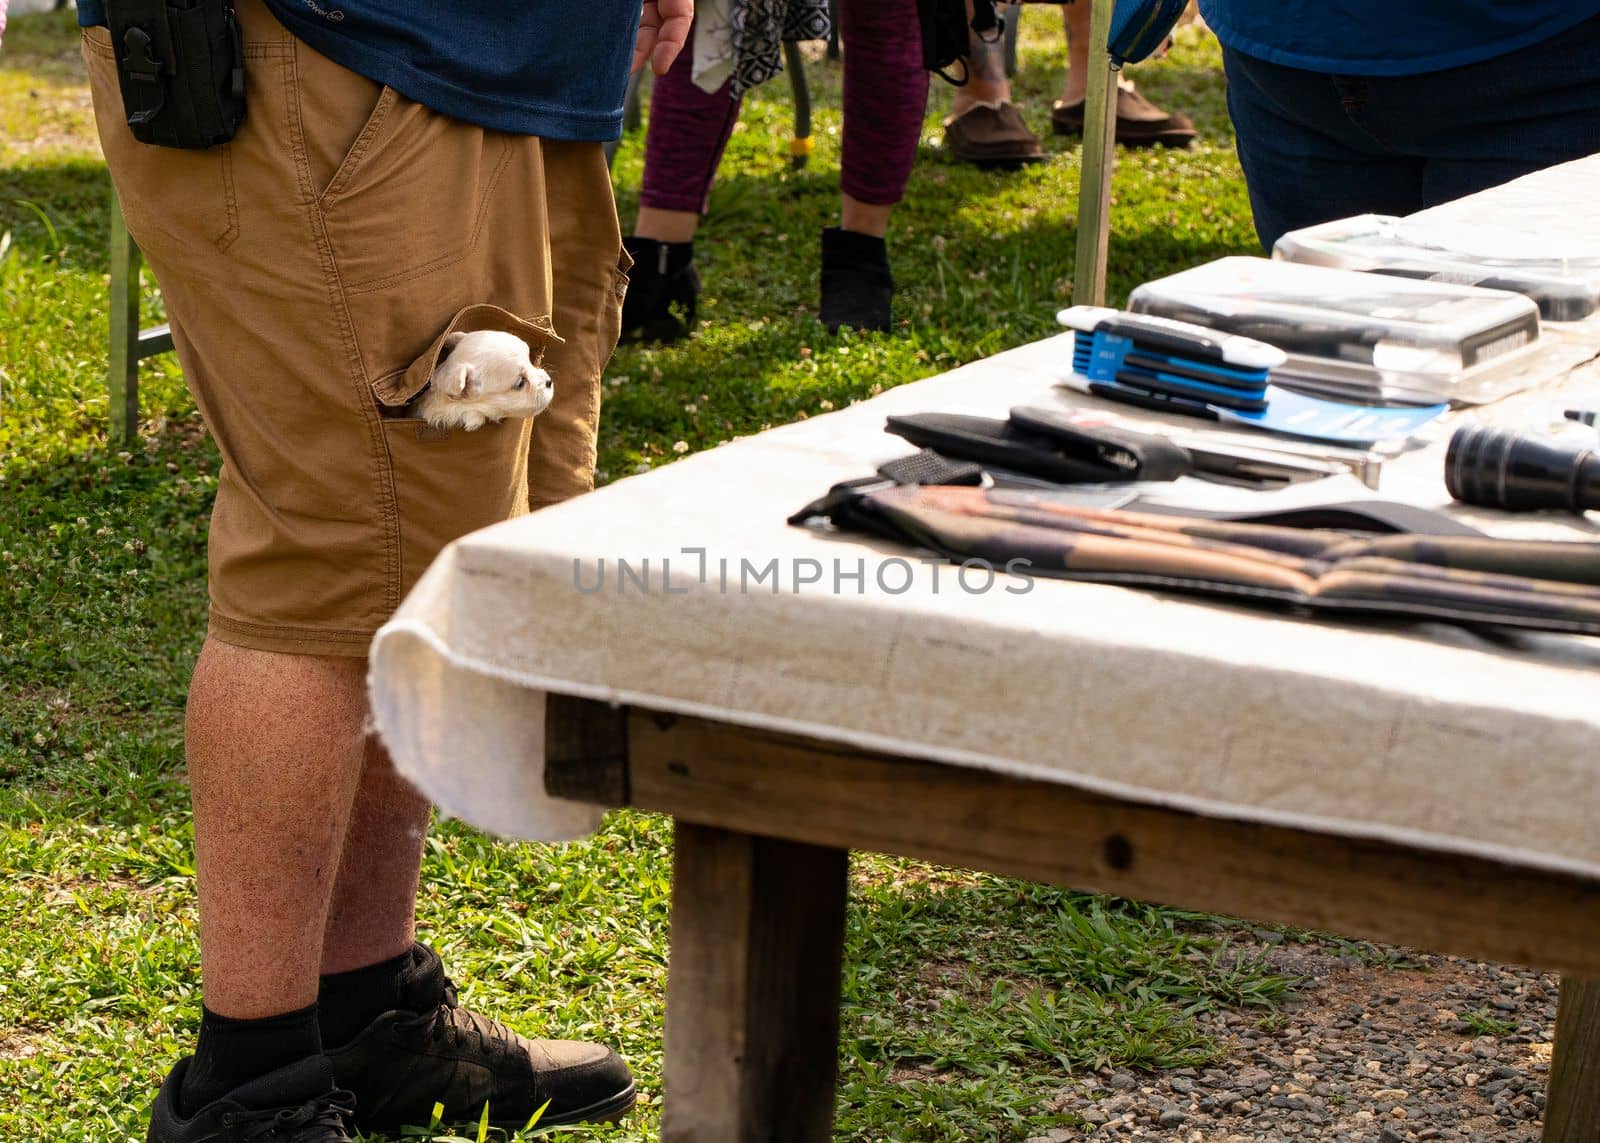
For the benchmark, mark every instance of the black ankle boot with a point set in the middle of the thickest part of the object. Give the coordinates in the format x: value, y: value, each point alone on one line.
x: 856, y: 282
x: 662, y: 289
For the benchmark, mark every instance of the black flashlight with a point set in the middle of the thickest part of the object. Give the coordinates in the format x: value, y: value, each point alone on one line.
x: 1498, y: 468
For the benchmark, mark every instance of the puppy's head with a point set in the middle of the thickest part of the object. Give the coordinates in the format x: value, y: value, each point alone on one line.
x: 490, y: 374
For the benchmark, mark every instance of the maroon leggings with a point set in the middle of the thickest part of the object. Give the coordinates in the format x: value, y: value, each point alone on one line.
x: 885, y: 93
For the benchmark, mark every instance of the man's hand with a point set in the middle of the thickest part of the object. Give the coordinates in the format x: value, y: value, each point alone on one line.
x: 663, y: 30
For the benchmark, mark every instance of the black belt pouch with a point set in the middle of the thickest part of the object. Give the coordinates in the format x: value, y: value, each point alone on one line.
x: 181, y: 67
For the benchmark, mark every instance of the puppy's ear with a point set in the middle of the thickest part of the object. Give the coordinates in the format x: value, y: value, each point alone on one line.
x: 466, y: 383
x: 451, y: 340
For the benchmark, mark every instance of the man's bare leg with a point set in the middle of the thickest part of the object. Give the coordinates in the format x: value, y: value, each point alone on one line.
x: 275, y: 746
x: 371, y: 913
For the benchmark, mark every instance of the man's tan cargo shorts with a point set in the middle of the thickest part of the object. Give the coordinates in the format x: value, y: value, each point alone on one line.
x: 310, y: 269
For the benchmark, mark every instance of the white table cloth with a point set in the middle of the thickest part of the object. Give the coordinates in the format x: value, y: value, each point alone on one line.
x: 1424, y: 734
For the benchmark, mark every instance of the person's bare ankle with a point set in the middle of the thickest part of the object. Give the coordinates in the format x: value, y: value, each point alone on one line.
x: 666, y: 225
x: 964, y: 101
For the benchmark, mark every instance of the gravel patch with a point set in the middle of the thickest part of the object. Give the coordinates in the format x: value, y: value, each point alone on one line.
x: 1378, y: 1046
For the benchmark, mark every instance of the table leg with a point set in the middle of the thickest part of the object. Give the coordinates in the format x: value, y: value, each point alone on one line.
x: 1572, y: 1112
x: 752, y: 1036
x: 122, y: 377
x: 1099, y: 157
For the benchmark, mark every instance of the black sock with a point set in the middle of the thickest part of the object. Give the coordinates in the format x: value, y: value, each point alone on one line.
x: 348, y: 1001
x: 234, y: 1052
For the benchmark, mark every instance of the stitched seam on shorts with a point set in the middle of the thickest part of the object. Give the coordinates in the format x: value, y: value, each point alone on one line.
x: 351, y: 166
x: 93, y: 44
x: 291, y: 640
x: 382, y: 465
x: 250, y: 627
x: 230, y: 201
x: 458, y: 256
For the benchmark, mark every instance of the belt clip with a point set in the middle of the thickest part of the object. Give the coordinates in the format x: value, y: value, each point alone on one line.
x: 142, y: 67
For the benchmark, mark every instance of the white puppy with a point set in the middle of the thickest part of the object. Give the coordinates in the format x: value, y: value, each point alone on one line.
x: 484, y: 376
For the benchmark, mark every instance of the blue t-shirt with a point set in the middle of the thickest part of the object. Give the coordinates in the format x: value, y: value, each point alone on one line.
x: 1388, y: 37
x: 555, y: 70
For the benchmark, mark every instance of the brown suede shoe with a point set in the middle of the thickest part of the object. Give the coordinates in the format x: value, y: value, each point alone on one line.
x: 991, y: 137
x: 1140, y: 123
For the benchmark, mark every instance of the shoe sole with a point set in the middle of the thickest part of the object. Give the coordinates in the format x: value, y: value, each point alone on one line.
x: 1165, y: 139
x: 1000, y: 162
x: 996, y: 158
x: 606, y: 1111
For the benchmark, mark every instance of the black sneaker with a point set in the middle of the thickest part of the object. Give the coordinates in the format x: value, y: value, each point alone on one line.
x: 295, y: 1104
x: 436, y: 1052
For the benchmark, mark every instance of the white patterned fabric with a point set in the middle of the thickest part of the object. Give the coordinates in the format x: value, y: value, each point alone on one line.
x: 745, y: 38
x: 713, y: 43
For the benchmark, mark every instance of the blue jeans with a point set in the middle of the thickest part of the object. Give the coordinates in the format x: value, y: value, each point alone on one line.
x: 1315, y: 147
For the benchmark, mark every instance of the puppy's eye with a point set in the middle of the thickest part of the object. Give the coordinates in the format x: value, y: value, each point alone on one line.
x: 522, y: 383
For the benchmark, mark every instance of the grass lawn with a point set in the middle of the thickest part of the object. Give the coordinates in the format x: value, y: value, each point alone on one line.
x: 968, y: 998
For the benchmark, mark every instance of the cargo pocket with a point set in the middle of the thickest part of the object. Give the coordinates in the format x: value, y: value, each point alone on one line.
x: 448, y: 482
x: 396, y: 392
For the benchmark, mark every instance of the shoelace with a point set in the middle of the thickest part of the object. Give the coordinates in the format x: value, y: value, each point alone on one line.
x: 449, y: 1021
x: 329, y: 1119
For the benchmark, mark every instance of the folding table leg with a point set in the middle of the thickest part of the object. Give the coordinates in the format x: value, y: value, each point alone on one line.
x: 1572, y: 1111
x: 752, y: 1037
x: 122, y: 377
x: 801, y: 145
x: 1098, y: 158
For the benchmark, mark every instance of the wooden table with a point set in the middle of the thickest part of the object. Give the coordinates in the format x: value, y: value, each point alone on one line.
x: 764, y: 823
x: 1346, y: 777
x: 1006, y: 733
x: 781, y: 730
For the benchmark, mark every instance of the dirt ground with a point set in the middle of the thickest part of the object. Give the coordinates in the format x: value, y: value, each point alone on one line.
x: 1378, y: 1046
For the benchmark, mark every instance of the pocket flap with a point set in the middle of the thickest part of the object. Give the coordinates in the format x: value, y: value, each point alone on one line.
x: 401, y: 387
